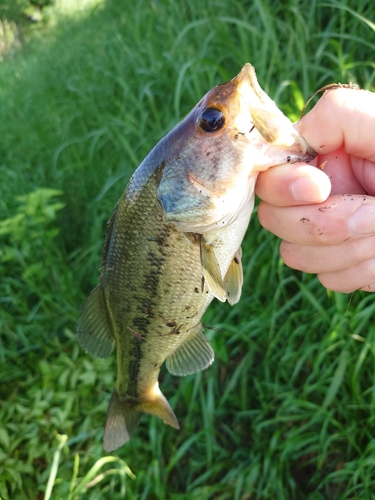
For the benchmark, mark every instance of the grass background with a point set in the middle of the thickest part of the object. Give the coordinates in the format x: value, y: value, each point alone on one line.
x: 287, y: 410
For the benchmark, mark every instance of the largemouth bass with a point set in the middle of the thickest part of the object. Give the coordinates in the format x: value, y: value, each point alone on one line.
x: 173, y: 243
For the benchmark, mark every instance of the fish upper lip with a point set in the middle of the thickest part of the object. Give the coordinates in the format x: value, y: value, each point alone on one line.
x: 270, y: 121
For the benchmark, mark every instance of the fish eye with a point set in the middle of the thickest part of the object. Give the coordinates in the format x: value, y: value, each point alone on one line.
x: 211, y: 120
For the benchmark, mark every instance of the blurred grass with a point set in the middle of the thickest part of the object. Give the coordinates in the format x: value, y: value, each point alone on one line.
x: 287, y: 409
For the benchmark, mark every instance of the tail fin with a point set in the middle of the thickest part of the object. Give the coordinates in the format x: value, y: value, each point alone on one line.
x: 121, y: 422
x: 123, y: 418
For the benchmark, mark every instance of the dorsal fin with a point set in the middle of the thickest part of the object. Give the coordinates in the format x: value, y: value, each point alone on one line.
x: 192, y: 356
x: 108, y: 237
x: 94, y: 331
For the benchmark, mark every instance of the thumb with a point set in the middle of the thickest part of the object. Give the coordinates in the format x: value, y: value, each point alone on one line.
x: 293, y: 185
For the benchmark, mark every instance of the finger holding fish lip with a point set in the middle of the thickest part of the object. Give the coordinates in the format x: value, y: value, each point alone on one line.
x: 296, y: 184
x: 341, y: 116
x: 291, y: 185
x: 334, y: 239
x: 339, y: 128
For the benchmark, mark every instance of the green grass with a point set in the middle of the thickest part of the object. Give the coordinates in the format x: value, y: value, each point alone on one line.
x: 287, y: 409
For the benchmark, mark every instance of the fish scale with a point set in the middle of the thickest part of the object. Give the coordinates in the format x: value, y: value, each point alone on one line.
x: 146, y: 267
x: 173, y: 243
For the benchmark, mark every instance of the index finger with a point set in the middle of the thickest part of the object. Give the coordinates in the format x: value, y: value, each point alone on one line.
x: 342, y: 116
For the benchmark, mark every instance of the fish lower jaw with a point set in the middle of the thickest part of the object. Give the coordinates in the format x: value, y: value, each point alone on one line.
x: 274, y: 155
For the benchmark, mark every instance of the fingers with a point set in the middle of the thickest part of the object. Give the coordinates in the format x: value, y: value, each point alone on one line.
x: 359, y: 277
x: 340, y: 128
x: 338, y: 167
x: 293, y: 185
x: 338, y: 219
x: 327, y: 232
x: 301, y: 184
x: 368, y: 288
x: 364, y: 171
x: 342, y: 268
x: 335, y: 240
x: 328, y: 259
x: 341, y: 117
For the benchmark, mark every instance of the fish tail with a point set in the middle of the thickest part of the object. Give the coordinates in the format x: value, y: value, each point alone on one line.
x: 123, y: 417
x: 121, y: 422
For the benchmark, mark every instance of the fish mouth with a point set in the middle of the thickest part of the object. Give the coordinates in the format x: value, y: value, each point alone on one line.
x: 284, y: 143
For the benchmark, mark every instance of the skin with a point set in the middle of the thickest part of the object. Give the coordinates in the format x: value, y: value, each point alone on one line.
x: 326, y: 219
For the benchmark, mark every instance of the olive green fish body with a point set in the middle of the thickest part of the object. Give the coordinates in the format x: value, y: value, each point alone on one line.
x: 174, y: 243
x: 153, y: 287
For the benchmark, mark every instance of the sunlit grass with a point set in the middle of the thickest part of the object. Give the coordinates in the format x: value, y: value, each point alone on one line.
x: 287, y: 409
x: 72, y: 7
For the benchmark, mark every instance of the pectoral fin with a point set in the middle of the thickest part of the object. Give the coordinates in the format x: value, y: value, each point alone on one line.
x: 194, y: 355
x: 233, y: 279
x: 211, y: 271
x: 94, y: 330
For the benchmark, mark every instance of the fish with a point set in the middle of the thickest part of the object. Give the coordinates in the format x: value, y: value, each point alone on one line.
x: 173, y: 244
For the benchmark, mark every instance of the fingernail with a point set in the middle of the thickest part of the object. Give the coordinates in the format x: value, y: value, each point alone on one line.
x: 362, y: 222
x: 307, y: 190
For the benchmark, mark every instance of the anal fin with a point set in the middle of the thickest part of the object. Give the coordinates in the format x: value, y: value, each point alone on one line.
x: 123, y: 416
x: 158, y: 405
x: 192, y: 356
x: 233, y: 279
x: 94, y: 331
x: 211, y: 270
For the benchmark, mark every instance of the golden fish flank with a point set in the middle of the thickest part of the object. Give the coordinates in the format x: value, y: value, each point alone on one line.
x: 173, y: 244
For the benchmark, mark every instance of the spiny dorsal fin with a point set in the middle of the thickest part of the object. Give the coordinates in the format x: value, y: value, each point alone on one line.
x: 111, y: 227
x: 121, y: 422
x: 211, y: 271
x: 94, y: 331
x: 233, y: 279
x: 192, y: 356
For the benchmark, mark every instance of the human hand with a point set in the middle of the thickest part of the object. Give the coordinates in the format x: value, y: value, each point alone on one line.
x: 327, y: 218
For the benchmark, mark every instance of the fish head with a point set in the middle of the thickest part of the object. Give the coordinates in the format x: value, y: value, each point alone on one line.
x: 217, y: 151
